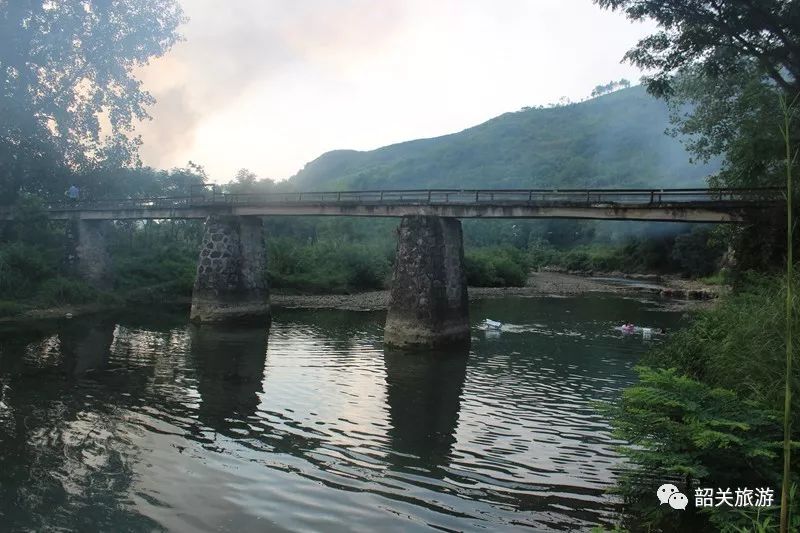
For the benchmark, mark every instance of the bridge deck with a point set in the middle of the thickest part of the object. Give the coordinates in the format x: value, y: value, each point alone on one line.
x: 682, y: 205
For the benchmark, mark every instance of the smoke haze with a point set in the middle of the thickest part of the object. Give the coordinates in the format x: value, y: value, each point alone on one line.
x: 270, y: 85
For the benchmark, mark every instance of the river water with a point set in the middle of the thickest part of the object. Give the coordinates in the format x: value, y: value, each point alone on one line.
x: 142, y: 422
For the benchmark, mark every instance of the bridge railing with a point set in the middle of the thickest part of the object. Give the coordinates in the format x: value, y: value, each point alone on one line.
x: 571, y: 197
x: 511, y: 196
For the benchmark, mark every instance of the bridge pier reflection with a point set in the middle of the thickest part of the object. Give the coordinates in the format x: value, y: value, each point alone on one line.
x: 424, y: 396
x: 428, y: 307
x: 230, y: 362
x: 231, y: 280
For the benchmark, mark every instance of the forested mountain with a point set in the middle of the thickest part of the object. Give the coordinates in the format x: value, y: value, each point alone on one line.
x: 616, y: 140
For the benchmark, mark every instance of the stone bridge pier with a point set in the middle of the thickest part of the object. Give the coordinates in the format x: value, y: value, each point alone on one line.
x: 230, y: 284
x: 428, y: 307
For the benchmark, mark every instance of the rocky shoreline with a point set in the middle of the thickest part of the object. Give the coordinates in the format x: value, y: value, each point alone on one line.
x: 675, y: 292
x: 680, y: 293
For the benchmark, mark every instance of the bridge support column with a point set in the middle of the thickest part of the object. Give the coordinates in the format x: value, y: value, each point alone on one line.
x: 428, y: 307
x: 86, y: 255
x: 230, y: 284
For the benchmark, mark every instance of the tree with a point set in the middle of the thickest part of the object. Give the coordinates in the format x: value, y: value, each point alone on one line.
x: 65, y: 67
x: 723, y: 66
x: 697, y: 253
x: 245, y: 178
x: 610, y: 87
x: 247, y: 182
x: 715, y: 35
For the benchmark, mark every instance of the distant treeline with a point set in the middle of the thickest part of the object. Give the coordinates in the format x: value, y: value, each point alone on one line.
x: 156, y: 260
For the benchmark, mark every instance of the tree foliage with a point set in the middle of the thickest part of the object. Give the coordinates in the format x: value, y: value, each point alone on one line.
x: 684, y: 430
x: 616, y: 140
x: 610, y: 87
x: 247, y: 182
x: 724, y: 65
x: 65, y: 67
x: 714, y: 35
x: 707, y: 410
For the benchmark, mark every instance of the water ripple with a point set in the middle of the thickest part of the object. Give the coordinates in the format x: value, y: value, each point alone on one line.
x: 141, y: 425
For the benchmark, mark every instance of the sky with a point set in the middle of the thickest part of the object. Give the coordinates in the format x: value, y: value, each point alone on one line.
x: 270, y: 85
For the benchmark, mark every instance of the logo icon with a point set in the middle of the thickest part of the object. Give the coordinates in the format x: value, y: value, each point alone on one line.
x: 669, y: 494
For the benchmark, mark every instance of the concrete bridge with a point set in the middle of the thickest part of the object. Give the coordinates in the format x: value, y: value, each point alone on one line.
x: 429, y: 305
x: 684, y: 205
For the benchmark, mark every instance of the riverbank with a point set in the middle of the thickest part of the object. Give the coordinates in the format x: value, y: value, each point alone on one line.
x: 677, y: 293
x: 61, y: 311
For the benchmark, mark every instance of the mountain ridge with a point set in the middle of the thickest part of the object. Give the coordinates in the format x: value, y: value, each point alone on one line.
x: 615, y: 140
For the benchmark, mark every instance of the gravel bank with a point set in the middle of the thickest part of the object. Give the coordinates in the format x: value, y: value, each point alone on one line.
x: 539, y: 284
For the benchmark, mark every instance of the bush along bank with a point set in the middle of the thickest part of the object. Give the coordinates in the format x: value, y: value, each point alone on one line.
x: 706, y: 414
x: 155, y: 261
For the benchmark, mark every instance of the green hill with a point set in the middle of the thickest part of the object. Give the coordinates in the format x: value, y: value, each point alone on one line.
x: 616, y: 140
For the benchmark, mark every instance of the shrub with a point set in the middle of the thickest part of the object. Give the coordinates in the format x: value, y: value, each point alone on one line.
x: 22, y: 268
x: 496, y: 267
x: 60, y: 290
x: 707, y: 409
x: 602, y: 258
x: 723, y: 277
x: 697, y: 253
x: 31, y: 224
x: 10, y: 308
x: 327, y: 266
x: 168, y: 268
x: 687, y: 432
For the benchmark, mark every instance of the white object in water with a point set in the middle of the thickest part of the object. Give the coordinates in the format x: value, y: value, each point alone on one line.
x: 647, y: 333
x: 492, y: 324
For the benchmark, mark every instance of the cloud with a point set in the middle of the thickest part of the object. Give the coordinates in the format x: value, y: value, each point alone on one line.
x: 231, y: 46
x: 175, y: 129
x: 270, y: 84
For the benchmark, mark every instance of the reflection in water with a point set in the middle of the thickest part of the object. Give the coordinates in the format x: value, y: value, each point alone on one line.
x: 85, y: 345
x: 230, y: 369
x: 146, y: 423
x: 423, y: 391
x: 61, y: 467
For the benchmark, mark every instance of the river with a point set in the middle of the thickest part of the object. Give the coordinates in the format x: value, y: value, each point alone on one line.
x: 143, y: 422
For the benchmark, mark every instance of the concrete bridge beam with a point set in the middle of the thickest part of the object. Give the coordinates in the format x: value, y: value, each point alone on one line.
x: 230, y: 284
x: 428, y: 307
x: 87, y: 255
